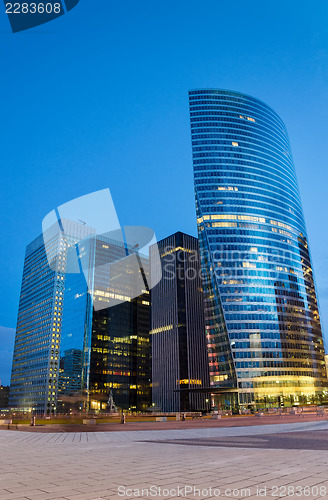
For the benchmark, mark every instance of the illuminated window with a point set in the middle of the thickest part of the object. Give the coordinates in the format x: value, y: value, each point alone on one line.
x: 190, y: 381
x: 251, y: 218
x: 224, y: 216
x: 249, y: 265
x: 224, y: 224
x: 161, y: 329
x: 227, y: 188
x: 280, y: 224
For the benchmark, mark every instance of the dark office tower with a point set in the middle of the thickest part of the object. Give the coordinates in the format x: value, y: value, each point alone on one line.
x: 179, y: 357
x: 262, y: 321
x: 120, y: 356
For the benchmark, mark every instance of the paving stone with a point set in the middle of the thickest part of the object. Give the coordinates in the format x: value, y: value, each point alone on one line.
x: 92, y: 466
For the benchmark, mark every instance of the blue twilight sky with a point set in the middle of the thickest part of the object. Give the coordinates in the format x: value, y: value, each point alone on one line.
x: 98, y: 98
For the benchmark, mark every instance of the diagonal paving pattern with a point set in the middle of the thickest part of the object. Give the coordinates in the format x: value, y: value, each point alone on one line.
x: 310, y: 440
x: 110, y: 465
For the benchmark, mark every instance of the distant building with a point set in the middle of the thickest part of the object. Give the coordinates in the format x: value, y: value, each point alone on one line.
x: 70, y: 372
x: 81, y: 334
x: 179, y: 357
x: 4, y: 396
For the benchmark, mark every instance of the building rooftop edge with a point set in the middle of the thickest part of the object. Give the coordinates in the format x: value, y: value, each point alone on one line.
x: 238, y: 93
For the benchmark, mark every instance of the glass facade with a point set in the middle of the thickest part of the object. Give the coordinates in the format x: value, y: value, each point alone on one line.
x: 81, y: 332
x: 105, y: 345
x: 36, y: 353
x: 262, y: 320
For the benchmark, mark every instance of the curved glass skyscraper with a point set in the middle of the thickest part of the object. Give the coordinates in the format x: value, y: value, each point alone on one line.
x: 262, y: 321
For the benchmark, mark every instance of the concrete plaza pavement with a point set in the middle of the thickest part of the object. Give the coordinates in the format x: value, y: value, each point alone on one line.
x: 227, y: 462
